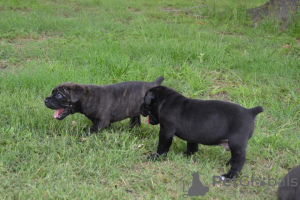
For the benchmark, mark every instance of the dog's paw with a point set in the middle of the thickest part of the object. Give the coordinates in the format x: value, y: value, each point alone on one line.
x: 89, y: 133
x: 229, y: 175
x: 155, y: 157
x: 188, y: 153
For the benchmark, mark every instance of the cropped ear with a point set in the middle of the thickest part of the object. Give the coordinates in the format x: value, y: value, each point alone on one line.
x: 76, y: 92
x: 150, y: 98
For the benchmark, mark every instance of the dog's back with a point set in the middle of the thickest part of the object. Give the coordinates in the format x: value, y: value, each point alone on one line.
x: 125, y: 98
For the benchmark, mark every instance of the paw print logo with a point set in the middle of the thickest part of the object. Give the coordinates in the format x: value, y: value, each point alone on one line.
x: 261, y: 181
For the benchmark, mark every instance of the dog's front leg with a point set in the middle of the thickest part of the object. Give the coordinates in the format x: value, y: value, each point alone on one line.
x: 135, y: 121
x: 164, y: 143
x: 98, y: 124
x: 93, y: 129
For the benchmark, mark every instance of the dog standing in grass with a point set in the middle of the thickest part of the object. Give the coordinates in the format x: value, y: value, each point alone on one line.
x: 102, y: 104
x: 197, y: 121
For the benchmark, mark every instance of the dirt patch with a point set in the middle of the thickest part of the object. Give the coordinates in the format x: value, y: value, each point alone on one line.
x: 3, y: 64
x: 23, y: 9
x: 195, y: 11
x: 222, y: 82
x: 30, y: 38
x: 21, y: 42
x: 18, y: 48
x: 223, y: 95
x: 223, y: 33
x: 168, y: 9
x: 172, y: 10
x: 134, y: 10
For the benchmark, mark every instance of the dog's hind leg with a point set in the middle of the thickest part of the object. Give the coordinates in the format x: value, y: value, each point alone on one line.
x: 237, y: 160
x: 135, y: 121
x: 191, y: 148
x: 229, y: 162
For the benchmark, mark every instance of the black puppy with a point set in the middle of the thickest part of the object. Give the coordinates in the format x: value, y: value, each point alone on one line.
x: 197, y: 121
x: 289, y: 187
x: 101, y: 104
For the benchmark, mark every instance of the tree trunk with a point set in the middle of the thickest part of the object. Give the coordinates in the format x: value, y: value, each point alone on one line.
x: 277, y: 9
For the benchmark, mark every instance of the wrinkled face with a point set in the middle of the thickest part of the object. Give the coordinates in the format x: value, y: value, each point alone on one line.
x: 148, y: 108
x: 63, y: 99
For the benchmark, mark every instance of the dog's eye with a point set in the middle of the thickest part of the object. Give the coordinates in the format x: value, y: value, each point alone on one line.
x: 58, y: 96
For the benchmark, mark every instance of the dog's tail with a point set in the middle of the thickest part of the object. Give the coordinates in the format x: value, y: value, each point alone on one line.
x: 256, y: 110
x: 159, y: 80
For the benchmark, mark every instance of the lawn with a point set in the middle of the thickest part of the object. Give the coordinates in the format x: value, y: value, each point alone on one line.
x: 204, y: 49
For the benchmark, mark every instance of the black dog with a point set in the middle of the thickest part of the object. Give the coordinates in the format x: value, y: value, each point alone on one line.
x: 101, y: 104
x: 196, y: 121
x: 289, y: 187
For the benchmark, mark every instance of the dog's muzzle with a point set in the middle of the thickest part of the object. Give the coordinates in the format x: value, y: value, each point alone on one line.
x: 61, y: 111
x: 144, y: 111
x: 49, y: 103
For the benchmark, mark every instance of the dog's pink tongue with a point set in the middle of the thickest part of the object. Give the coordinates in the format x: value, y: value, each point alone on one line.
x: 148, y: 120
x: 57, y: 112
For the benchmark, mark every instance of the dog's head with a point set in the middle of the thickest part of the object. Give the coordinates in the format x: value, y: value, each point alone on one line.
x: 64, y: 99
x: 149, y: 107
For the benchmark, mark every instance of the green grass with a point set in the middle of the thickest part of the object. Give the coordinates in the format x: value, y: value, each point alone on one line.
x: 222, y: 56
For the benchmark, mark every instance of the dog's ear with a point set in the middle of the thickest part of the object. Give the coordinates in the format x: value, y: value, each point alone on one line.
x: 76, y: 92
x: 150, y: 98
